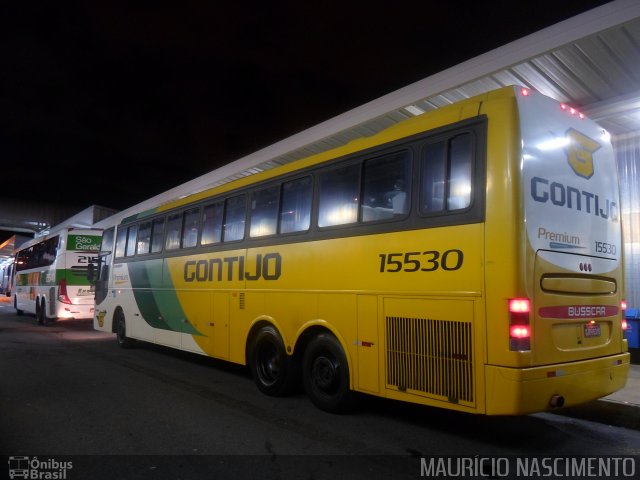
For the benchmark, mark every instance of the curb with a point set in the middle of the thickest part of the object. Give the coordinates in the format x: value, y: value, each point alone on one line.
x: 610, y: 412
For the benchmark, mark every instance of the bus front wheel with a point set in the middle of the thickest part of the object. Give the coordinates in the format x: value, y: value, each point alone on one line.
x: 121, y: 332
x: 325, y: 374
x: 15, y: 305
x: 273, y: 371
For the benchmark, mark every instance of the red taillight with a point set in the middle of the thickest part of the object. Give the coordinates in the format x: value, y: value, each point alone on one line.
x: 624, y: 324
x: 525, y: 92
x: 62, y: 292
x: 519, y: 328
x: 623, y: 309
x: 519, y: 331
x: 519, y: 305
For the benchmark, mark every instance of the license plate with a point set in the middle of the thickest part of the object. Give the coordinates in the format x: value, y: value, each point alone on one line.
x: 592, y: 330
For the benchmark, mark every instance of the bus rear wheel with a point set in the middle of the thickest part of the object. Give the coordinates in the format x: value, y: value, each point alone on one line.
x: 325, y: 374
x: 273, y: 371
x: 121, y: 331
x: 41, y: 313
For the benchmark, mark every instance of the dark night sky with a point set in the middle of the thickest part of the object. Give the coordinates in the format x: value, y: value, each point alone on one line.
x: 110, y: 103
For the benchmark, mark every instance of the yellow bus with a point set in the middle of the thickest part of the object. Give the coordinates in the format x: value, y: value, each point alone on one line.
x: 467, y: 258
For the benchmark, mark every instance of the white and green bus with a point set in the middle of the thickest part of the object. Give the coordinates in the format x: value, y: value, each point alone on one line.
x: 50, y: 275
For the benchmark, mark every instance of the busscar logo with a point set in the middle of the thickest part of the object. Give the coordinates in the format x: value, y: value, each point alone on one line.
x: 580, y: 153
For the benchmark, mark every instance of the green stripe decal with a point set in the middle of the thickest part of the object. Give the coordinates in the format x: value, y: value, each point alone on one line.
x: 75, y: 276
x: 158, y: 304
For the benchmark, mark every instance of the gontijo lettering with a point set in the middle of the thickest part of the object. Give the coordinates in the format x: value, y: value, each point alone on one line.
x: 267, y: 267
x: 543, y: 191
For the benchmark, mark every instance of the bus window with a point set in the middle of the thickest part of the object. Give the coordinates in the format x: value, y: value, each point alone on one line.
x: 264, y: 212
x: 433, y: 178
x: 460, y: 172
x: 234, y: 218
x: 23, y: 259
x: 144, y: 238
x: 174, y: 224
x: 131, y: 240
x: 339, y: 190
x: 212, y: 224
x: 295, y: 209
x: 44, y: 254
x: 157, y: 232
x: 190, y: 228
x: 121, y: 242
x: 386, y: 183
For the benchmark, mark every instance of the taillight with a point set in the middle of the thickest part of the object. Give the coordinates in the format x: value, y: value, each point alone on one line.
x: 62, y: 292
x: 623, y: 309
x: 519, y: 328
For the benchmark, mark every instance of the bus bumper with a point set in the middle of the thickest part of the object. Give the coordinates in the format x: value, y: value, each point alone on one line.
x: 518, y: 391
x: 78, y: 312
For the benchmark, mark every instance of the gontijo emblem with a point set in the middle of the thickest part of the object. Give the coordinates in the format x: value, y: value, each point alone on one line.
x: 580, y: 153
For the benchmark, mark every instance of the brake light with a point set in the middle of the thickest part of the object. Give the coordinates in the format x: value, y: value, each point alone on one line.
x: 62, y: 292
x: 519, y: 328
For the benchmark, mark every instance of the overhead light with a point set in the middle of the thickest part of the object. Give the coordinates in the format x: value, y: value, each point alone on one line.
x: 413, y: 110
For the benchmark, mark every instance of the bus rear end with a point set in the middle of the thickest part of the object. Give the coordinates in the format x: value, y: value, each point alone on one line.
x: 75, y: 298
x: 562, y: 329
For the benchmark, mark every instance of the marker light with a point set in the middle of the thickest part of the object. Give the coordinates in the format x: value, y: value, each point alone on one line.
x: 524, y: 92
x: 519, y: 328
x: 571, y: 110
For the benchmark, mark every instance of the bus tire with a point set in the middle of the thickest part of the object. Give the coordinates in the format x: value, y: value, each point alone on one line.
x: 274, y: 372
x: 41, y: 313
x: 325, y: 374
x: 15, y: 305
x: 121, y: 331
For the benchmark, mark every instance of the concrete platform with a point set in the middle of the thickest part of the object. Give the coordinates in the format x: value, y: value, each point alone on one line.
x: 621, y: 408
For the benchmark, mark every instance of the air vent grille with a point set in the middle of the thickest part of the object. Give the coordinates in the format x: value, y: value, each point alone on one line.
x: 430, y: 356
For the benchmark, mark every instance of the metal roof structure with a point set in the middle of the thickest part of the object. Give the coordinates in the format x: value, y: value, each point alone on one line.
x: 590, y: 61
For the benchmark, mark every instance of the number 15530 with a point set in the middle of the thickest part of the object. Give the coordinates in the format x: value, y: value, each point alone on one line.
x: 428, y: 261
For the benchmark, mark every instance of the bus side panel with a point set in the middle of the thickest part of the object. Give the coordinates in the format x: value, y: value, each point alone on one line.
x: 202, y: 300
x: 369, y: 346
x: 312, y: 283
x: 503, y: 265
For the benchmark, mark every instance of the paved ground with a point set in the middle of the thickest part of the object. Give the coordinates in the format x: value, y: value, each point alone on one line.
x: 68, y: 392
